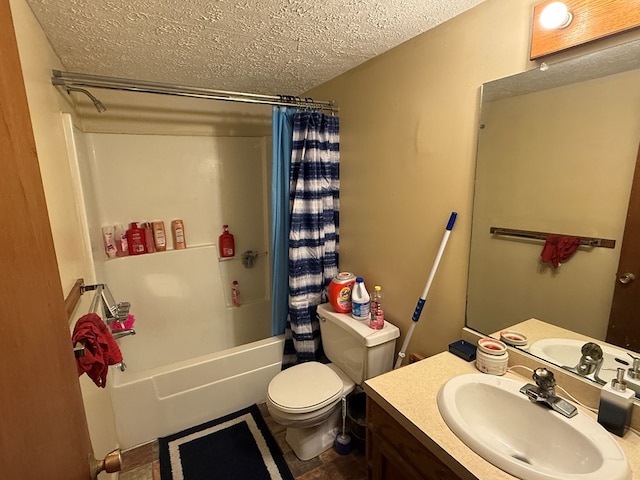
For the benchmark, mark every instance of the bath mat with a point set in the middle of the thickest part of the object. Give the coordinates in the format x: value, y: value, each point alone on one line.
x: 238, y: 446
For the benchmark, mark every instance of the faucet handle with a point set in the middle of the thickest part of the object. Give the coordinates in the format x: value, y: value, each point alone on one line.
x: 592, y: 350
x: 545, y: 380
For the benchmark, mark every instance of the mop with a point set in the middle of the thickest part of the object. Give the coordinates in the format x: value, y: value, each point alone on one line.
x: 423, y: 298
x: 342, y: 443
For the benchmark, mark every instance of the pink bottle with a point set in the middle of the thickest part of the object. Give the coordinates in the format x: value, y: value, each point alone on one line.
x: 235, y: 294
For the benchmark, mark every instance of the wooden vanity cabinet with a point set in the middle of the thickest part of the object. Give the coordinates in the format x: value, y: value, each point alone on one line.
x: 394, y: 454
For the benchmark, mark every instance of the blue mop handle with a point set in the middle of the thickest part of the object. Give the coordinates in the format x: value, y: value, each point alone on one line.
x: 422, y: 300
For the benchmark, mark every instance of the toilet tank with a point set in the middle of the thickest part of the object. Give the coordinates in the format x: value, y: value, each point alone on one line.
x: 359, y: 351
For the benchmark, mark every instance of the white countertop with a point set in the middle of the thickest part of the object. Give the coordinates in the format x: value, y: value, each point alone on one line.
x: 409, y: 393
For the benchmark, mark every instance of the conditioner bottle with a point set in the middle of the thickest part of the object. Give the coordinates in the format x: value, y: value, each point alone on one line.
x: 179, y: 239
x: 159, y: 236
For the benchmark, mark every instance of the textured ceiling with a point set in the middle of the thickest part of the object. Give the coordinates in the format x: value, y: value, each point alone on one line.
x: 258, y: 46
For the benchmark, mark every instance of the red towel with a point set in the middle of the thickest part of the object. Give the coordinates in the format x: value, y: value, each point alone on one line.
x: 100, y: 348
x: 558, y: 248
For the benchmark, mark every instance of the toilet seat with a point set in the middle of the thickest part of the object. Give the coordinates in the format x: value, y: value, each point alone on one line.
x: 305, y: 388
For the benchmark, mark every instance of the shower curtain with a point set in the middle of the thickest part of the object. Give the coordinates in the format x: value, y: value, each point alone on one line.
x: 313, y: 233
x: 282, y: 128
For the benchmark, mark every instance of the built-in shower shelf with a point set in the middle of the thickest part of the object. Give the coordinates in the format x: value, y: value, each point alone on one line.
x: 165, y: 252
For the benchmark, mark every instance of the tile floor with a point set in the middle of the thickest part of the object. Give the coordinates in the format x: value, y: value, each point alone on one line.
x: 141, y: 463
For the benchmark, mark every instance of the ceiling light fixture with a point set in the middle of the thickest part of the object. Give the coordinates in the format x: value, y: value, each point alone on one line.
x: 556, y: 15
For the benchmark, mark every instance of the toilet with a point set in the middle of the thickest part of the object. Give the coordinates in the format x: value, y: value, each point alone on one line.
x: 306, y: 398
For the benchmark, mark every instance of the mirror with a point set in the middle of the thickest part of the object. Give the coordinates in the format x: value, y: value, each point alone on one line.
x: 557, y: 150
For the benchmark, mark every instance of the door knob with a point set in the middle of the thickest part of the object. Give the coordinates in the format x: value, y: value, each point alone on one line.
x: 111, y: 463
x: 626, y: 278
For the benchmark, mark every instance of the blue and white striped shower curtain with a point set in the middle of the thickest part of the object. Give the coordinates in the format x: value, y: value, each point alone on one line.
x: 313, y: 235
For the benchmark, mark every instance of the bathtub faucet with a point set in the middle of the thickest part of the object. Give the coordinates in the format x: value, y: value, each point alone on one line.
x: 123, y: 333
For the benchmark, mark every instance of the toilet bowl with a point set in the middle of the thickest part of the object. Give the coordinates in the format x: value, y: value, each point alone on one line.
x: 306, y: 398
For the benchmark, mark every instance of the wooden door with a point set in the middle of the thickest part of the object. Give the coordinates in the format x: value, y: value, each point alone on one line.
x: 624, y: 320
x: 43, y: 430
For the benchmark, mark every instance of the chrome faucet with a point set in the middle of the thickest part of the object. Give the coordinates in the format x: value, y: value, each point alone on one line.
x: 590, y: 362
x: 634, y: 370
x: 544, y: 391
x: 123, y: 333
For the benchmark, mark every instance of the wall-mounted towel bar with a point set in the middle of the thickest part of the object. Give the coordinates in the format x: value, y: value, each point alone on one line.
x: 112, y: 311
x: 588, y: 241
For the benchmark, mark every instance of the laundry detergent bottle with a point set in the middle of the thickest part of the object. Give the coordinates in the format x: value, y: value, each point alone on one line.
x: 226, y: 243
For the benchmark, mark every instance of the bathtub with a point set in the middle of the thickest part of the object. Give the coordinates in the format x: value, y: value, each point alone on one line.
x: 164, y: 400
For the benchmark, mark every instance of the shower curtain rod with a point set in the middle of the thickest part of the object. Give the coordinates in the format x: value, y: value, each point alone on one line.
x: 72, y: 79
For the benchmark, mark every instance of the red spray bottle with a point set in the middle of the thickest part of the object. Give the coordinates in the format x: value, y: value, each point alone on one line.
x: 226, y: 243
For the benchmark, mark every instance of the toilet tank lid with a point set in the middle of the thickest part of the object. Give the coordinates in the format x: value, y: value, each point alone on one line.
x: 360, y: 328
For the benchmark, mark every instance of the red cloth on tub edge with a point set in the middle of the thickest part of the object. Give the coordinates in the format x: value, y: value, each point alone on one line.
x: 558, y: 248
x: 100, y: 348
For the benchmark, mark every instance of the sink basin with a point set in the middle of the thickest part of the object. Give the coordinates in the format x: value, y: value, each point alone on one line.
x: 528, y: 440
x: 566, y: 352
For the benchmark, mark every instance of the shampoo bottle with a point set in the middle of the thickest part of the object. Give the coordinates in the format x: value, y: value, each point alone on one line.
x: 159, y: 236
x: 135, y: 239
x: 226, y: 243
x: 616, y: 405
x: 177, y: 230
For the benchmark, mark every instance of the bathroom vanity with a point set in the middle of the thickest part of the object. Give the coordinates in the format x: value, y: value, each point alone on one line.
x: 408, y: 439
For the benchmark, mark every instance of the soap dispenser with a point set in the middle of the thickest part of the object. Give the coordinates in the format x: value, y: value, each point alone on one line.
x: 616, y: 405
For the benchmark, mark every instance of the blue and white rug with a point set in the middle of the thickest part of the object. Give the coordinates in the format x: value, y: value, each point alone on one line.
x: 238, y: 446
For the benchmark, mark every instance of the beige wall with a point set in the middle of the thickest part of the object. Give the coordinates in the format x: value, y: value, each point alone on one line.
x: 408, y: 135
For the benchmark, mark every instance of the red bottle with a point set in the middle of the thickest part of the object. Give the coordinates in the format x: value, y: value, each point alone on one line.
x: 226, y: 243
x: 136, y: 239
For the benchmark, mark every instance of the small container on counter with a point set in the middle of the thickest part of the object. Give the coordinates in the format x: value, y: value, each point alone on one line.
x: 492, y: 356
x: 513, y: 338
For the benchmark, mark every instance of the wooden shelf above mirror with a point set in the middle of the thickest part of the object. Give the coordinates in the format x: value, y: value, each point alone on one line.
x: 592, y: 20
